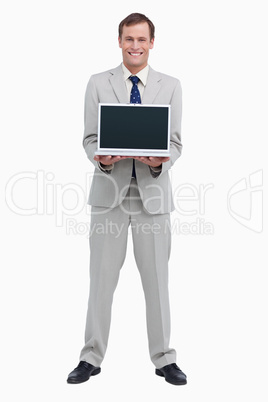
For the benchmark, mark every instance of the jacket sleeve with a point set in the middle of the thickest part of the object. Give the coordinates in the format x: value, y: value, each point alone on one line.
x: 175, y: 128
x: 90, y: 139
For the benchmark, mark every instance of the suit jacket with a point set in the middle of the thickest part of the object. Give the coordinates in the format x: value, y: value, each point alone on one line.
x: 109, y: 190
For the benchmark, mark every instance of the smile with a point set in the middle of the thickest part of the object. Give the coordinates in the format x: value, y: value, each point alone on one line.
x: 135, y: 54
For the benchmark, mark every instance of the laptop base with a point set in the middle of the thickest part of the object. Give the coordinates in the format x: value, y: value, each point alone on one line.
x: 129, y: 153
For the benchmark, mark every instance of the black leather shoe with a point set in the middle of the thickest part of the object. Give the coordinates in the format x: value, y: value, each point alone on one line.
x: 82, y: 373
x: 172, y: 374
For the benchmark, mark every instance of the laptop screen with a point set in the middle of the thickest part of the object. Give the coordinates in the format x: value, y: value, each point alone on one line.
x: 138, y: 127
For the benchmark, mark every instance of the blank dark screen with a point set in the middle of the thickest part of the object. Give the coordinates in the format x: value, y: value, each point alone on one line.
x: 134, y: 127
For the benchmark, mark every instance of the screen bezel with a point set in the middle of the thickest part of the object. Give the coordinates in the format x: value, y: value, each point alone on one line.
x: 134, y: 151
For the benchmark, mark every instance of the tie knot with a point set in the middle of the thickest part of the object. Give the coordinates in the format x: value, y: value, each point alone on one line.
x: 134, y: 79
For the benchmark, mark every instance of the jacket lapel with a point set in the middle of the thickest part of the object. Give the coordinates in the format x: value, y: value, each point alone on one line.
x: 118, y: 84
x: 152, y: 88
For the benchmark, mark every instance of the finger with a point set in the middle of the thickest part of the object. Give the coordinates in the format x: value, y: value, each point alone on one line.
x: 106, y: 159
x: 158, y: 159
x: 116, y: 158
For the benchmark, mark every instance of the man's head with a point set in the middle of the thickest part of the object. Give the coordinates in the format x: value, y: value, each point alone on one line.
x: 136, y: 38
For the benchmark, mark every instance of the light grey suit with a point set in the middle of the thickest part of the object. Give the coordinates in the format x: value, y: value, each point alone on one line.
x: 146, y: 202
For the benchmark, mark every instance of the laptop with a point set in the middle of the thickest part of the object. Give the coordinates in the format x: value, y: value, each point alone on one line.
x: 133, y: 129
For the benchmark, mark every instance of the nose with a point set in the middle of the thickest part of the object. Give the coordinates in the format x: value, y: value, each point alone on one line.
x: 135, y: 45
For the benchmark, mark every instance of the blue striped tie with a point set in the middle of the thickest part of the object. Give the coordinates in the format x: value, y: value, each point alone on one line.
x: 135, y: 97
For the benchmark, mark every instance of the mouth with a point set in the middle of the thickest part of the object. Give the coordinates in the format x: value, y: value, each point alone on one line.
x: 135, y: 54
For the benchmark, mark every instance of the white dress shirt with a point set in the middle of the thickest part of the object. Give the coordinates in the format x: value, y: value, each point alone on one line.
x: 142, y: 75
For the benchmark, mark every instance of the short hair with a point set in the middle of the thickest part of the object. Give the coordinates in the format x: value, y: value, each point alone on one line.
x: 136, y: 18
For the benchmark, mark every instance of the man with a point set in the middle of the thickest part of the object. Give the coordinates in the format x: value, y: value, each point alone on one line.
x: 130, y: 191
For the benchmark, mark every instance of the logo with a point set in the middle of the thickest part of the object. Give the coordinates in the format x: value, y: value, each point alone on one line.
x: 245, y: 201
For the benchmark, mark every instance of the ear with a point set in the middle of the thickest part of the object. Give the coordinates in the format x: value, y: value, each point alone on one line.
x: 120, y: 42
x: 151, y: 43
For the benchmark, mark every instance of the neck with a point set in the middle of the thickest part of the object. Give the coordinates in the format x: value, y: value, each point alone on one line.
x: 135, y: 70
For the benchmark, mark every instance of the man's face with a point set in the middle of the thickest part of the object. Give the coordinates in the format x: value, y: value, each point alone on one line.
x: 135, y: 44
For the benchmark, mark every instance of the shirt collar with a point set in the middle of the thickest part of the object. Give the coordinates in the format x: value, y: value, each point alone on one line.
x: 142, y: 75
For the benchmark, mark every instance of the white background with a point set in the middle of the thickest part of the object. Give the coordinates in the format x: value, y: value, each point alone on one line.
x: 218, y: 49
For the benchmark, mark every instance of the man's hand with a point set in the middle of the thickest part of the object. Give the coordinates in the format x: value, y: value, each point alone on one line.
x: 148, y: 160
x: 108, y: 159
x: 152, y: 161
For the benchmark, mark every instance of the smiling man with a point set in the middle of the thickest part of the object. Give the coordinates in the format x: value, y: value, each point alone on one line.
x: 133, y: 192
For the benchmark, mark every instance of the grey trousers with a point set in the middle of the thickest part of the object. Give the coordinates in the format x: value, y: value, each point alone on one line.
x: 108, y: 244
